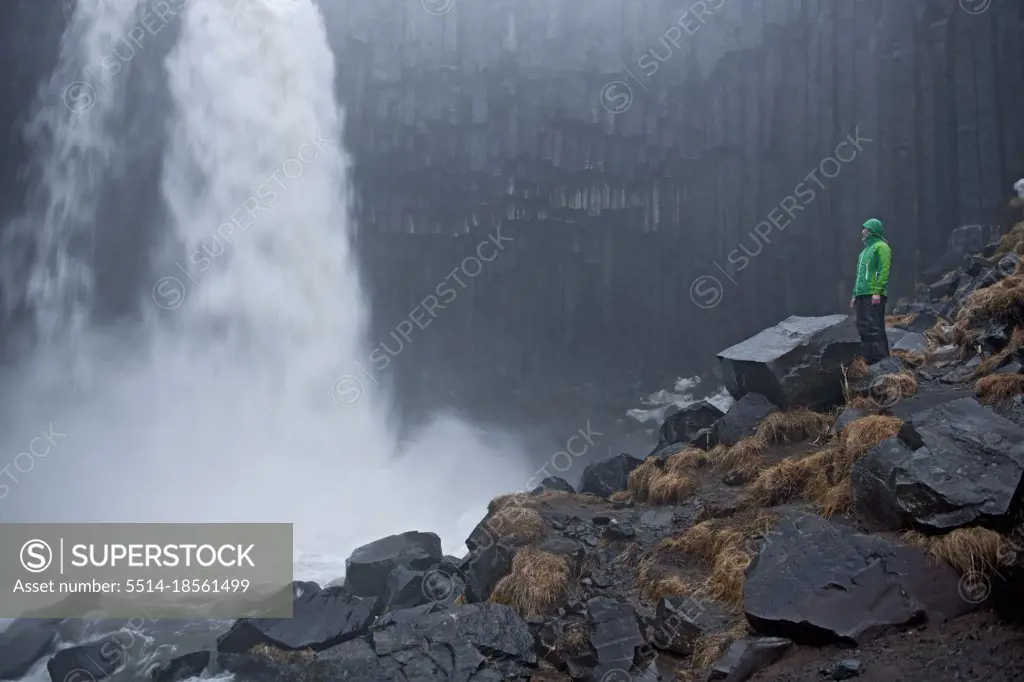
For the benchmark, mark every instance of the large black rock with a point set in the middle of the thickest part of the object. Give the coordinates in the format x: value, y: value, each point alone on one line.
x: 680, y: 621
x: 615, y: 638
x: 963, y: 242
x: 93, y: 661
x: 182, y: 668
x: 798, y: 362
x: 952, y: 465
x: 367, y: 570
x: 473, y: 643
x: 684, y: 425
x: 487, y: 562
x: 739, y: 422
x: 818, y: 583
x: 745, y: 657
x: 23, y: 643
x: 608, y: 476
x: 319, y: 620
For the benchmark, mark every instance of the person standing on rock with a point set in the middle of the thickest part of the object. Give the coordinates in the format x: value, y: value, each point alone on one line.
x: 871, y: 290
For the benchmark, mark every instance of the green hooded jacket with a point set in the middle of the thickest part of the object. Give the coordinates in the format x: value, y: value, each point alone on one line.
x: 873, y: 263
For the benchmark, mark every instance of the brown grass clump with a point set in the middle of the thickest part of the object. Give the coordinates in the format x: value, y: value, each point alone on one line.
x: 1013, y: 240
x: 862, y: 403
x: 575, y: 639
x: 783, y: 428
x: 785, y: 481
x: 897, y: 320
x: 272, y: 653
x: 912, y: 358
x: 997, y: 360
x: 725, y: 547
x: 744, y: 457
x: 1003, y: 301
x: 823, y: 477
x: 858, y: 369
x: 893, y: 387
x: 673, y: 586
x: 666, y: 481
x: 519, y: 525
x: 538, y: 583
x: 940, y: 333
x: 997, y: 389
x: 621, y: 496
x: 510, y: 500
x: 709, y: 648
x: 967, y: 549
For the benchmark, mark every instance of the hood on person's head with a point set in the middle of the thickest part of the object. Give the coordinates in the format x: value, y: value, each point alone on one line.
x: 874, y: 226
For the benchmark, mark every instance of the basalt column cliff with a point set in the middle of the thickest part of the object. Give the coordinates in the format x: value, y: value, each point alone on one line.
x: 663, y: 178
x: 636, y: 149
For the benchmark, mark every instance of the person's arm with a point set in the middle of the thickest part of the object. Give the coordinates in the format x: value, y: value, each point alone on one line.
x: 883, y: 258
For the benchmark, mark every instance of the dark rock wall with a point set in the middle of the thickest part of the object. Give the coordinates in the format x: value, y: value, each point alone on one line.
x: 494, y: 113
x: 514, y: 113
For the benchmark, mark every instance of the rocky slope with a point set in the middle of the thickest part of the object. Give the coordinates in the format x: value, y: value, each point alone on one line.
x: 878, y: 537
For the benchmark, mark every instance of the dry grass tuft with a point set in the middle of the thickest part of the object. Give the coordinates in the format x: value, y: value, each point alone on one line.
x: 272, y: 653
x: 510, y: 500
x: 666, y: 481
x: 518, y: 525
x: 1002, y: 302
x: 538, y: 583
x: 858, y: 369
x: 723, y: 546
x: 575, y: 639
x: 967, y: 549
x: 997, y: 360
x: 783, y: 428
x: 1012, y: 241
x: 673, y: 586
x: 709, y: 648
x: 897, y: 320
x: 912, y: 358
x: 997, y: 389
x: 621, y: 496
x: 630, y: 555
x: 823, y: 477
x: 940, y: 333
x: 893, y: 387
x: 862, y: 403
x: 744, y: 457
x: 784, y: 481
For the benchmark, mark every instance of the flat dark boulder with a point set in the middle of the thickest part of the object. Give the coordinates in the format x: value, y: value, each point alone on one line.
x: 953, y: 465
x: 912, y: 342
x: 24, y: 643
x: 819, y: 583
x: 471, y: 643
x: 798, y: 362
x: 680, y: 621
x: 685, y: 425
x: 97, y: 660
x: 745, y: 657
x: 553, y: 484
x: 846, y: 417
x: 367, y: 569
x: 615, y: 636
x: 319, y: 621
x: 741, y: 420
x: 182, y: 668
x: 609, y: 476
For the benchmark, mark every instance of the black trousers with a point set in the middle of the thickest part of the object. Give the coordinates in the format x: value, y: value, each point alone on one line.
x: 871, y: 326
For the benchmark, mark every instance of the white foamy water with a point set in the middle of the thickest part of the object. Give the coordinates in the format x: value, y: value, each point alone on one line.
x: 225, y: 408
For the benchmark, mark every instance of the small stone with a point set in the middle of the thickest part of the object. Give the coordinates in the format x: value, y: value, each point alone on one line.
x: 592, y: 542
x: 734, y: 478
x: 588, y: 582
x: 844, y: 670
x: 601, y: 520
x: 620, y: 532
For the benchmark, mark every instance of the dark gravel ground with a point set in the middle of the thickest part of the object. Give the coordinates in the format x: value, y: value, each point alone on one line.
x: 975, y: 647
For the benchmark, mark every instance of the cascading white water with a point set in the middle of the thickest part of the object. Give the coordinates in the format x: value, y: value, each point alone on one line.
x: 221, y: 409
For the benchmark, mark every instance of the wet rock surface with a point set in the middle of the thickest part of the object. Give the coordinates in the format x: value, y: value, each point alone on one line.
x: 818, y: 583
x: 796, y: 363
x: 953, y: 465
